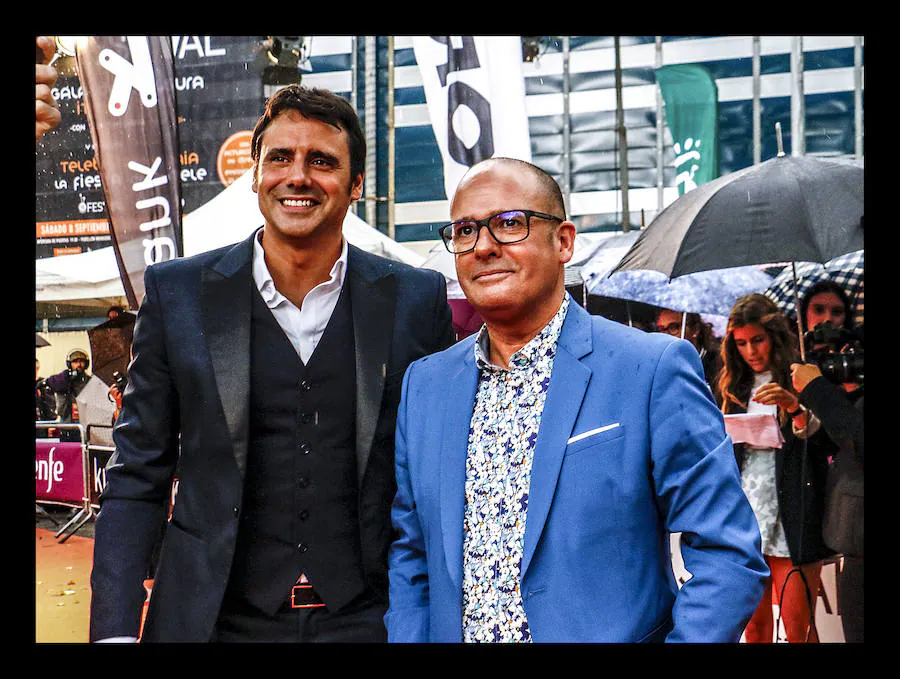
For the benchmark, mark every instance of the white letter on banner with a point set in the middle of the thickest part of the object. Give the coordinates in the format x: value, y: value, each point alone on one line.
x: 136, y: 74
x: 148, y: 182
x: 153, y: 250
x: 156, y: 223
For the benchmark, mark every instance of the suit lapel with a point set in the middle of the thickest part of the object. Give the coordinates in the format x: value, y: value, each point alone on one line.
x: 373, y: 300
x: 568, y: 383
x: 460, y: 400
x: 225, y: 295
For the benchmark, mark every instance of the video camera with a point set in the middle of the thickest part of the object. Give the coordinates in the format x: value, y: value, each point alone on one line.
x: 838, y: 352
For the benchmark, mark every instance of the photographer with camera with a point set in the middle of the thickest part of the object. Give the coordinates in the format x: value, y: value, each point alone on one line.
x: 44, y: 403
x: 830, y: 385
x: 66, y: 386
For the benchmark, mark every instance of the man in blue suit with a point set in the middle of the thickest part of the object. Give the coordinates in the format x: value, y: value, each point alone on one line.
x: 265, y: 378
x: 543, y: 463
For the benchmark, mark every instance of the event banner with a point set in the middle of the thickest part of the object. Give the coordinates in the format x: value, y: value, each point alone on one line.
x: 130, y: 106
x: 692, y: 113
x: 475, y: 92
x: 218, y: 96
x: 59, y: 472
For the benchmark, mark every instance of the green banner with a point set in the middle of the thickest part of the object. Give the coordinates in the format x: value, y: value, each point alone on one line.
x: 692, y: 113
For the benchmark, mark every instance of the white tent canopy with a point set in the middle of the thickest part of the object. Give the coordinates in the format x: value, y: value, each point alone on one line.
x: 229, y: 217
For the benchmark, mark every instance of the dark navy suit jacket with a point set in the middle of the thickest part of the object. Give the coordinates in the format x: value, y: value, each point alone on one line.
x: 186, y: 407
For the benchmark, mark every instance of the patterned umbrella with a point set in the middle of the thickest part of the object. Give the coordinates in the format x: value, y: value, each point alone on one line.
x: 847, y: 271
x: 703, y: 292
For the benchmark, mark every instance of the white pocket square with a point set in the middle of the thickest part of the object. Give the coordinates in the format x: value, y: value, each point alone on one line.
x: 592, y: 432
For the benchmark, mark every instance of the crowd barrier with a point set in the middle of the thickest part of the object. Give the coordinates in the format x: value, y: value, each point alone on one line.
x: 70, y: 473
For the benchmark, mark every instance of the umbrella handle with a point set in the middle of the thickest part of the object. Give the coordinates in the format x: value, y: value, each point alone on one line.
x: 797, y: 311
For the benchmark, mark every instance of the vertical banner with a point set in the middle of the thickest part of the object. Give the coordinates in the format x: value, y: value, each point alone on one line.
x: 475, y: 91
x: 692, y: 113
x: 130, y: 105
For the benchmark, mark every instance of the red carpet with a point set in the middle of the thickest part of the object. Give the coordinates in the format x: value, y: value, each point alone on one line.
x: 62, y: 588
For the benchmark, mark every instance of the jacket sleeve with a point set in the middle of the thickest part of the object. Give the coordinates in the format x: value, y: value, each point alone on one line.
x: 443, y: 317
x: 139, y: 475
x: 699, y: 491
x: 839, y: 416
x: 407, y: 616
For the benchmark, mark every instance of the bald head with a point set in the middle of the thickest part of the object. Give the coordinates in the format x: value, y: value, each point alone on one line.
x: 547, y: 189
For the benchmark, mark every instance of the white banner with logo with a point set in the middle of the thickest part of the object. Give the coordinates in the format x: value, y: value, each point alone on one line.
x: 475, y: 91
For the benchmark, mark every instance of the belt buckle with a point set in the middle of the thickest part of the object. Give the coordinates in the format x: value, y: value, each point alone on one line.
x: 306, y: 596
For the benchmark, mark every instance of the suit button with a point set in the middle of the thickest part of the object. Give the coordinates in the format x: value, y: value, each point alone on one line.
x: 303, y: 547
x: 303, y: 447
x: 305, y: 385
x: 304, y: 515
x: 303, y: 482
x: 305, y: 418
x: 236, y: 511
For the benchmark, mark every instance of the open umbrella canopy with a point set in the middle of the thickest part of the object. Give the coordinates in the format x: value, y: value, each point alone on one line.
x: 111, y: 346
x: 704, y: 292
x: 789, y: 208
x: 848, y: 271
x: 40, y: 341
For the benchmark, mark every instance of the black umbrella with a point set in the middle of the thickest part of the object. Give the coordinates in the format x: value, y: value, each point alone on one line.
x: 787, y: 209
x: 111, y: 346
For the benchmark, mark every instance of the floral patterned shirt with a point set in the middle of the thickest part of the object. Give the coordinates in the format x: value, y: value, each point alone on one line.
x: 502, y: 433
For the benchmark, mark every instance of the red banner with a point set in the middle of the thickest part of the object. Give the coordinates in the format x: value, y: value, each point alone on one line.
x: 130, y: 105
x: 58, y: 472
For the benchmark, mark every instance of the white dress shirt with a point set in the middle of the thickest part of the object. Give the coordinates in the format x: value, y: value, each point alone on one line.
x: 304, y: 326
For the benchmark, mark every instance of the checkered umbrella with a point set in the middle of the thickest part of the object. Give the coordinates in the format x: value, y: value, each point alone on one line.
x: 846, y: 270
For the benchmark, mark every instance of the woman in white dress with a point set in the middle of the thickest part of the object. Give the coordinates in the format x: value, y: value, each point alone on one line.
x: 785, y: 486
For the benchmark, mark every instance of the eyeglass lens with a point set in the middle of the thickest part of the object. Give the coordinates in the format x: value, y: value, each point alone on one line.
x: 506, y: 227
x: 672, y: 328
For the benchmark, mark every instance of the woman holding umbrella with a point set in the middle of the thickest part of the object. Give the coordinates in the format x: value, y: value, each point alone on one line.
x: 757, y: 353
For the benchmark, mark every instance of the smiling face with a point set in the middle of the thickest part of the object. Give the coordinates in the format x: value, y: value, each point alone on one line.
x: 303, y: 179
x: 752, y: 341
x: 507, y: 283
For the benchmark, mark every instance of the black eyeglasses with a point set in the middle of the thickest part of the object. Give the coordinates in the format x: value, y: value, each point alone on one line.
x: 506, y: 227
x: 673, y: 328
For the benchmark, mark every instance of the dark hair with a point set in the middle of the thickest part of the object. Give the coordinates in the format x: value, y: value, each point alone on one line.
x: 736, y: 377
x: 705, y: 338
x: 827, y: 286
x: 318, y: 104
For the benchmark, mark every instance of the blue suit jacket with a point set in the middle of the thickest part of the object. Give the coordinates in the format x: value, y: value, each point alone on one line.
x: 596, y: 566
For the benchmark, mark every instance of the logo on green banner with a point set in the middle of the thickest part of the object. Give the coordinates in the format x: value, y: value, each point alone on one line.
x: 692, y: 113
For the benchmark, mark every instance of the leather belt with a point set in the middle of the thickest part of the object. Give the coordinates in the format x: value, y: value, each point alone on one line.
x: 304, y: 596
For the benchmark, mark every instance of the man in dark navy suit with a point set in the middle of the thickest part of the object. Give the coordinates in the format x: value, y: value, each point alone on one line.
x: 268, y: 373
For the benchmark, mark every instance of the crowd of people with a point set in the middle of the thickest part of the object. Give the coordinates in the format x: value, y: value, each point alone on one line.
x: 757, y: 369
x: 347, y: 471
